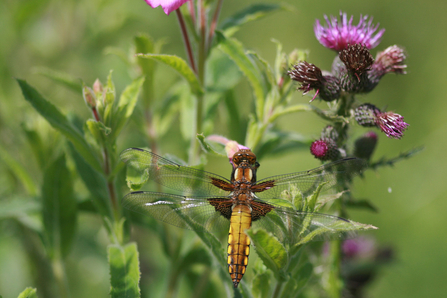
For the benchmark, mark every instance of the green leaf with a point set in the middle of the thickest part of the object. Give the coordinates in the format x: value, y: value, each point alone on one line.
x: 254, y: 12
x: 19, y: 171
x: 124, y: 271
x: 28, y: 293
x: 118, y: 52
x: 126, y: 105
x: 236, y: 52
x: 269, y: 249
x: 181, y: 67
x: 261, y: 285
x: 208, y: 148
x: 18, y: 208
x: 58, y: 121
x: 64, y: 79
x: 36, y: 145
x: 59, y: 208
x: 95, y: 183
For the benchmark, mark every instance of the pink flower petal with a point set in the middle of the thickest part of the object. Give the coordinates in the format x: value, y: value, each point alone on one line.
x: 167, y: 5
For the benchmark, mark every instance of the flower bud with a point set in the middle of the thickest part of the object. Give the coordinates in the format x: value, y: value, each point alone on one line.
x: 365, y: 145
x: 325, y: 149
x: 89, y: 97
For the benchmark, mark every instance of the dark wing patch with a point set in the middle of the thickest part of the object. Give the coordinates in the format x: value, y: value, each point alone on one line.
x: 223, y: 206
x: 260, y: 209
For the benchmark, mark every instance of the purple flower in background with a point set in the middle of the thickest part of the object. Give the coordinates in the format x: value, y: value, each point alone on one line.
x: 167, y: 5
x: 337, y: 35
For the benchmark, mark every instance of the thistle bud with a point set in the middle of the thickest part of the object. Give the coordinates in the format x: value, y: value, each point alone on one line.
x: 365, y: 145
x: 325, y: 149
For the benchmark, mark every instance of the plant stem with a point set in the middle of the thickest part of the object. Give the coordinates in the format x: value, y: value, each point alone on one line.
x: 181, y: 22
x: 60, y: 277
x: 213, y: 24
x: 278, y: 288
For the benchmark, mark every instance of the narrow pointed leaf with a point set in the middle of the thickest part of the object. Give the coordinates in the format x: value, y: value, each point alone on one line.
x: 64, y: 79
x: 126, y: 105
x: 124, y: 271
x: 95, y: 183
x: 249, y: 14
x: 236, y: 52
x: 59, y: 208
x: 58, y: 121
x: 181, y: 67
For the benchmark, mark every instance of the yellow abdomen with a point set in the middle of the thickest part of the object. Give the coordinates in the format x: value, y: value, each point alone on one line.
x: 238, y: 242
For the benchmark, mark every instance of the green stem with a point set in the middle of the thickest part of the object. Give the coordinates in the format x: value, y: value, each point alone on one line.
x: 278, y: 288
x: 60, y: 277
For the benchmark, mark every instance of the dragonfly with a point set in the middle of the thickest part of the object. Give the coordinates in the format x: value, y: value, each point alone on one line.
x: 211, y: 202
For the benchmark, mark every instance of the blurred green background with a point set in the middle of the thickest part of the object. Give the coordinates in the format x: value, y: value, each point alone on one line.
x: 71, y: 36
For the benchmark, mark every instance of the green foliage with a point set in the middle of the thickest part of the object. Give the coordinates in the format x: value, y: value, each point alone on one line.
x: 124, y: 271
x: 84, y: 178
x: 28, y: 293
x: 59, y: 208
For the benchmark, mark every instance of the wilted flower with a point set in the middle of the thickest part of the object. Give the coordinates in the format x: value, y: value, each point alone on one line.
x: 324, y: 149
x: 337, y: 35
x: 390, y: 123
x: 167, y: 5
x: 357, y: 59
x: 311, y: 77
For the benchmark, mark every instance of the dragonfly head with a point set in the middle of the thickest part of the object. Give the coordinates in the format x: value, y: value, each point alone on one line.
x: 245, y: 155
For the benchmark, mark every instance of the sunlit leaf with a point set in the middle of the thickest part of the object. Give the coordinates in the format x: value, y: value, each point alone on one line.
x: 124, y: 271
x: 126, y: 105
x: 28, y: 293
x: 269, y: 249
x: 248, y: 14
x: 181, y: 67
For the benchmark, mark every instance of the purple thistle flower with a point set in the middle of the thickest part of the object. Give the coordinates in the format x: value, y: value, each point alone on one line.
x: 392, y: 124
x: 337, y: 36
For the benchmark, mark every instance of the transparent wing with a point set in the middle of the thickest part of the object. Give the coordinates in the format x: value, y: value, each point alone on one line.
x: 143, y: 165
x: 180, y: 211
x: 308, y: 181
x: 294, y: 227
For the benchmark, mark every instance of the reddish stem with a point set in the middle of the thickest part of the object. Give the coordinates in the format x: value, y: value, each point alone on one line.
x: 186, y: 39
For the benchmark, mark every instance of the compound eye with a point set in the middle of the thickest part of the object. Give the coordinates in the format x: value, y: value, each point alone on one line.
x: 257, y: 165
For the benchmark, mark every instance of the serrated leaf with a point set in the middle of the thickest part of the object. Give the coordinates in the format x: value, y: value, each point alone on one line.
x: 126, y: 105
x: 248, y: 14
x: 19, y: 171
x: 58, y: 121
x: 311, y: 200
x: 28, y: 293
x: 269, y: 249
x: 181, y: 67
x: 234, y: 49
x: 59, y: 208
x: 124, y: 271
x: 62, y: 78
